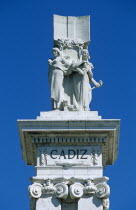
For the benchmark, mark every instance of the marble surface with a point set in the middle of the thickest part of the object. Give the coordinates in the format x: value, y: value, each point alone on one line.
x: 72, y: 27
x: 66, y: 115
x: 70, y: 71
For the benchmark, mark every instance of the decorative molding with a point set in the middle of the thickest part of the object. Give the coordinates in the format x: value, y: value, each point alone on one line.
x: 61, y: 190
x: 42, y: 155
x: 69, y: 164
x: 96, y: 186
x: 35, y: 190
x: 49, y: 187
x: 103, y: 190
x: 89, y: 187
x: 71, y: 139
x: 69, y: 43
x: 76, y: 190
x: 95, y: 156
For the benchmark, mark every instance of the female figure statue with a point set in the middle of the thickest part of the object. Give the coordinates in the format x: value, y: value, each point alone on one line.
x: 81, y: 79
x: 57, y: 68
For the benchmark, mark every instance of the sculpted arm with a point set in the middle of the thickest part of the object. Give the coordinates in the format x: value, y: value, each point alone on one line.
x: 75, y: 67
x: 96, y: 84
x: 65, y: 60
x: 50, y: 69
x: 79, y: 71
x: 90, y: 74
x: 77, y: 64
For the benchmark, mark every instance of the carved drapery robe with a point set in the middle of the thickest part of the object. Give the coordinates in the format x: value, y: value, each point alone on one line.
x: 56, y: 76
x: 82, y: 88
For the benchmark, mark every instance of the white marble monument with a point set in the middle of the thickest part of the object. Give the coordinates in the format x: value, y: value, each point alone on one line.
x: 70, y: 72
x: 70, y: 145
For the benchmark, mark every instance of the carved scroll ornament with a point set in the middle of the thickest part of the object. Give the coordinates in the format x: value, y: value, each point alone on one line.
x: 35, y: 190
x: 103, y: 190
x: 61, y: 190
x: 75, y: 190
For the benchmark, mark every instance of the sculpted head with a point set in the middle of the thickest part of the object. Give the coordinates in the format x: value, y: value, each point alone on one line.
x: 56, y: 52
x: 85, y: 54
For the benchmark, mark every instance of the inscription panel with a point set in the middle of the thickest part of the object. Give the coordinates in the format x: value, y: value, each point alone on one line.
x: 74, y: 155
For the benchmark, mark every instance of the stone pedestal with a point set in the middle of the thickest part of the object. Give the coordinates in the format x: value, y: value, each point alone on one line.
x: 69, y: 151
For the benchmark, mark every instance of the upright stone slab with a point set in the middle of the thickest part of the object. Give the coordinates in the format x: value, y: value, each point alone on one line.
x: 70, y: 145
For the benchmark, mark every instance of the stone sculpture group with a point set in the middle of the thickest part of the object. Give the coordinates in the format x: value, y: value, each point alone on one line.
x: 70, y: 76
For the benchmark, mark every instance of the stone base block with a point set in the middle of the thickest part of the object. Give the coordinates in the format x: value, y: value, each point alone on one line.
x: 66, y: 115
x: 68, y: 172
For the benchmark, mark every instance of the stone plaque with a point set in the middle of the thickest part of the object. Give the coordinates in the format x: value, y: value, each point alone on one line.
x: 74, y: 155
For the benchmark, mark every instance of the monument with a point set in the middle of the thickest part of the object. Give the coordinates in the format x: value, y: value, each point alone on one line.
x: 70, y: 145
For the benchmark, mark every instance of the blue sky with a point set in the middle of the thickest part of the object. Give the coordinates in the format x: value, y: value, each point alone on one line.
x: 26, y: 40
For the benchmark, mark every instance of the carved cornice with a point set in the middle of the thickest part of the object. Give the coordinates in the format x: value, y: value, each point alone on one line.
x: 104, y: 132
x: 67, y: 140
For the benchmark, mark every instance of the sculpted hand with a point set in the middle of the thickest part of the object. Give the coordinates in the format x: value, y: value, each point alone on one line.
x: 84, y: 61
x: 97, y: 85
x: 49, y: 61
x: 91, y: 66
